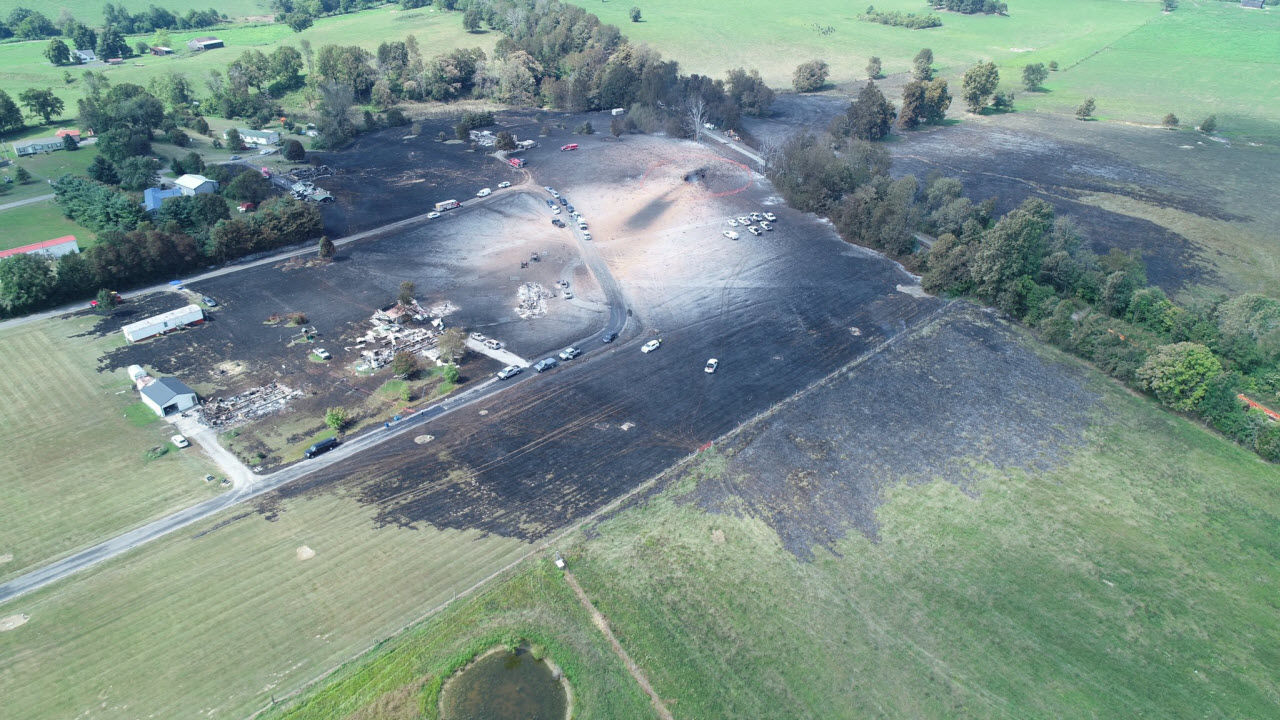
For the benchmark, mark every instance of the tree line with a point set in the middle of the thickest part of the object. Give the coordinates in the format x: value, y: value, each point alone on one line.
x: 1037, y: 267
x: 28, y: 24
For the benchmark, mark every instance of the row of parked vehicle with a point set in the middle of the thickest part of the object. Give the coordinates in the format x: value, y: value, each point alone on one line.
x: 763, y: 224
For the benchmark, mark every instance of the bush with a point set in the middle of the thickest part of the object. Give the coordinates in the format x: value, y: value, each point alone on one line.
x: 1179, y: 374
x: 1170, y: 121
x: 810, y: 76
x: 901, y: 19
x: 585, y: 129
x: 337, y: 418
x: 293, y: 151
x: 1209, y: 124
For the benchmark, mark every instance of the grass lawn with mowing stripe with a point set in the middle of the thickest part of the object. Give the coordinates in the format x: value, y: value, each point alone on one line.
x: 73, y: 467
x: 38, y: 221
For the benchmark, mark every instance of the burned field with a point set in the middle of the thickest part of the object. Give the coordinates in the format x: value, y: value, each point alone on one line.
x: 962, y: 395
x: 269, y: 319
x: 779, y: 312
x: 1069, y: 164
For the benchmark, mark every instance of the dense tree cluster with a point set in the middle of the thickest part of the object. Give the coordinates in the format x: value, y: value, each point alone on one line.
x: 810, y: 76
x: 901, y: 19
x: 972, y: 7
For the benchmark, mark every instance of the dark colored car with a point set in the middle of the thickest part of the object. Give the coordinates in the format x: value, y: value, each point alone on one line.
x: 563, y: 201
x: 609, y: 337
x: 557, y: 222
x: 321, y: 448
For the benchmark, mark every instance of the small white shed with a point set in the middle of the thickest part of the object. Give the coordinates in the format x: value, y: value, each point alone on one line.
x: 168, y: 396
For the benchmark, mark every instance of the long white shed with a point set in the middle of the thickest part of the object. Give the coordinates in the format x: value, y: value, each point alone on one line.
x: 163, y: 323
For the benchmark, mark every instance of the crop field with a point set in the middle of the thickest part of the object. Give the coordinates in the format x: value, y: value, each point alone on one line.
x: 222, y: 616
x: 90, y: 11
x: 23, y: 65
x: 74, y: 468
x: 1204, y: 58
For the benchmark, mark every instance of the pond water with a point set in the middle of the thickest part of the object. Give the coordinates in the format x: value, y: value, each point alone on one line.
x: 505, y: 686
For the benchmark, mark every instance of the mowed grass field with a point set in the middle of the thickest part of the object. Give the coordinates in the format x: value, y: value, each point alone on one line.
x: 38, y: 221
x: 1139, y: 63
x: 73, y: 469
x: 221, y: 617
x: 1135, y: 580
x: 90, y: 11
x: 23, y: 65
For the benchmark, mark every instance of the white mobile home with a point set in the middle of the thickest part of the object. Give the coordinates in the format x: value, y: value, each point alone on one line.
x: 163, y: 323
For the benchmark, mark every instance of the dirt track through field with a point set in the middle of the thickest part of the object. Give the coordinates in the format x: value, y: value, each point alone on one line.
x: 602, y: 624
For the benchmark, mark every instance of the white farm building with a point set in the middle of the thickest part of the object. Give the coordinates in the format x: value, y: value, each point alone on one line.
x: 163, y: 323
x: 167, y: 396
x: 195, y: 184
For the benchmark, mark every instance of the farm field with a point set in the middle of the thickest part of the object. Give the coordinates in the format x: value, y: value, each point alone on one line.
x: 1137, y: 62
x: 90, y: 11
x: 23, y: 65
x: 249, y: 613
x: 1127, y: 571
x: 74, y: 465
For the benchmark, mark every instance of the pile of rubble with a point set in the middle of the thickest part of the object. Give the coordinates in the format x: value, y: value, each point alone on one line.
x: 388, y: 334
x: 249, y: 405
x: 531, y: 300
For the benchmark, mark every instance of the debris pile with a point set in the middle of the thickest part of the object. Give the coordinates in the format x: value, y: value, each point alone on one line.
x: 532, y: 300
x: 249, y: 405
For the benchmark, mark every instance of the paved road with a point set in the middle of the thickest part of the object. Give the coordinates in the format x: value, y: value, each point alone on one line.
x: 28, y: 201
x: 266, y: 483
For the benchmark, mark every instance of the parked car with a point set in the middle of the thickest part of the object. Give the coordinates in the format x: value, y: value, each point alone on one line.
x: 484, y: 192
x: 756, y: 217
x: 546, y: 364
x: 586, y: 235
x: 609, y: 337
x: 766, y: 225
x: 323, y: 354
x: 651, y: 346
x: 551, y: 203
x: 730, y: 234
x: 433, y: 215
x: 711, y: 366
x: 548, y: 189
x: 755, y: 230
x: 743, y: 220
x: 179, y: 441
x: 509, y: 371
x: 733, y: 222
x: 504, y: 184
x: 479, y: 337
x: 557, y: 222
x: 563, y: 201
x: 568, y: 294
x: 320, y: 448
x: 555, y: 211
x: 569, y: 209
x: 209, y: 301
x: 771, y: 217
x: 570, y: 353
x: 234, y: 157
x: 493, y: 344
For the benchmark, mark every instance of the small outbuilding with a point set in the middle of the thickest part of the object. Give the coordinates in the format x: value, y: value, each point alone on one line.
x: 56, y: 247
x: 1254, y: 4
x: 160, y: 50
x: 168, y: 396
x: 190, y: 184
x: 162, y: 323
x: 204, y: 43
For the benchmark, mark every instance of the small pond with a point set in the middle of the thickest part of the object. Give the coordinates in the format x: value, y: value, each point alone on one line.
x: 505, y: 685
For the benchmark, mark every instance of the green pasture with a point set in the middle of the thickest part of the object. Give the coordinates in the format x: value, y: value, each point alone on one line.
x: 23, y: 65
x: 90, y: 11
x: 224, y: 616
x: 35, y: 222
x: 73, y: 469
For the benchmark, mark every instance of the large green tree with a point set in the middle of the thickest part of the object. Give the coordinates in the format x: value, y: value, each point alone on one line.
x: 1010, y: 250
x: 810, y: 76
x: 979, y: 85
x: 1034, y: 75
x: 25, y: 282
x: 10, y: 115
x: 138, y: 173
x: 1179, y: 374
x: 870, y: 116
x: 57, y: 52
x: 42, y: 102
x: 922, y: 65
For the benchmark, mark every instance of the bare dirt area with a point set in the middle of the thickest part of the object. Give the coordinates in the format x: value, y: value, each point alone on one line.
x: 779, y: 312
x: 964, y: 392
x: 1128, y: 187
